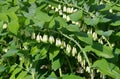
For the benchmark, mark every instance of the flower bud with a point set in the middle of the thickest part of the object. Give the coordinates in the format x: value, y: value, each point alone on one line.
x: 79, y: 58
x: 77, y: 23
x: 68, y: 10
x: 33, y: 36
x: 5, y: 49
x: 60, y: 12
x: 52, y: 7
x: 88, y: 69
x: 73, y: 22
x: 56, y: 9
x: 58, y: 42
x: 94, y: 36
x: 67, y: 18
x: 4, y: 25
x: 59, y: 6
x: 51, y: 39
x: 38, y: 38
x: 63, y: 45
x: 100, y: 41
x: 111, y: 11
x: 71, y: 10
x: 68, y: 48
x: 64, y: 16
x: 45, y: 38
x: 74, y: 51
x: 49, y: 6
x: 64, y: 9
x: 75, y: 10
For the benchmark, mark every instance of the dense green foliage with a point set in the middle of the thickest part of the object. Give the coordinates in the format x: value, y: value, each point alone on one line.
x: 59, y: 39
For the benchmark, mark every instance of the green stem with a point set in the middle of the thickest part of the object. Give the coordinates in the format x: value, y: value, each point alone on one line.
x: 60, y: 72
x: 84, y: 53
x: 72, y: 6
x: 69, y: 64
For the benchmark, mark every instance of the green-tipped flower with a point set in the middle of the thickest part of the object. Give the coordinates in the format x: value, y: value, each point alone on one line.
x: 63, y: 45
x: 56, y: 10
x: 79, y: 58
x: 4, y: 25
x: 64, y: 16
x: 59, y: 6
x: 58, y: 42
x: 64, y: 9
x: 38, y: 38
x: 68, y: 48
x: 45, y: 38
x: 88, y: 69
x: 67, y: 18
x: 33, y: 36
x: 51, y: 40
x: 74, y: 51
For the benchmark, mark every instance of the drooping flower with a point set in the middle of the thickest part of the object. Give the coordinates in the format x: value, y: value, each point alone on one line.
x: 45, y: 38
x: 51, y: 39
x: 33, y: 35
x: 4, y: 25
x: 68, y: 48
x: 58, y: 42
x: 74, y: 51
x: 38, y: 38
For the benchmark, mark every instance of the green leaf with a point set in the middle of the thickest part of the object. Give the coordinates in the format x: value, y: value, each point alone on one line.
x: 41, y: 16
x: 53, y: 52
x: 116, y: 23
x: 28, y: 77
x: 43, y: 53
x: 104, y: 20
x: 31, y: 1
x: 2, y: 68
x: 22, y: 74
x: 56, y: 64
x: 101, y: 50
x: 10, y: 52
x: 3, y: 17
x: 17, y: 70
x: 107, y: 68
x: 61, y: 21
x: 106, y: 33
x: 51, y: 24
x: 91, y: 21
x: 72, y: 76
x: 52, y: 76
x: 34, y: 51
x: 13, y: 27
x: 85, y: 37
x: 76, y: 15
x: 73, y: 28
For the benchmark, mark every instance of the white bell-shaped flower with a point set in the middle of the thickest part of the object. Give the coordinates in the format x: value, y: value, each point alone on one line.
x: 64, y: 9
x: 38, y: 38
x: 4, y: 25
x: 68, y: 48
x: 51, y: 40
x: 58, y: 42
x: 33, y: 35
x: 74, y: 51
x: 63, y: 45
x: 45, y: 38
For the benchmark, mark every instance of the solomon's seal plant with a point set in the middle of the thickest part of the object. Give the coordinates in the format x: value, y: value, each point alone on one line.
x: 59, y: 39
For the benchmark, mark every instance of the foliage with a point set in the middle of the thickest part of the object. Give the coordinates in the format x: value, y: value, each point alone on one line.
x: 59, y: 39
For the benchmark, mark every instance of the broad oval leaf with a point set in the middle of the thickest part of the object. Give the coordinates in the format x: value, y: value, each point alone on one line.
x: 76, y: 16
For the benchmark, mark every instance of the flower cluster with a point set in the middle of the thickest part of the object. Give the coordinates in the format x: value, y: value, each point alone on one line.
x: 59, y: 43
x: 64, y: 12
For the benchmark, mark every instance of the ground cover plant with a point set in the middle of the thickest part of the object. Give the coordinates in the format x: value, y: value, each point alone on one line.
x: 59, y: 39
